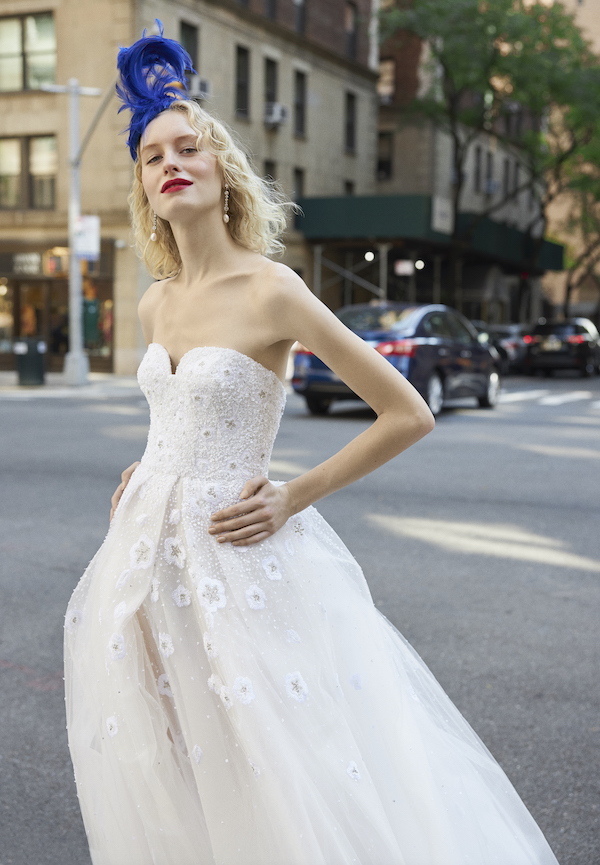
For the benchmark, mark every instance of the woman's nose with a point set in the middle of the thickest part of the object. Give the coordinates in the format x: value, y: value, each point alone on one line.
x: 171, y: 163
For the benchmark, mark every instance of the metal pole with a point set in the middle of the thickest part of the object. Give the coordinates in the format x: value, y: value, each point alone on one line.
x: 437, y: 279
x: 383, y: 248
x: 412, y: 280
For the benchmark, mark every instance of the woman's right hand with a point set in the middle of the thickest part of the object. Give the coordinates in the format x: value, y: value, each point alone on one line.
x: 125, y: 478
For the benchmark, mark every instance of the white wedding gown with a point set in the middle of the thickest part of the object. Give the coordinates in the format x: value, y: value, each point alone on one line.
x: 249, y: 705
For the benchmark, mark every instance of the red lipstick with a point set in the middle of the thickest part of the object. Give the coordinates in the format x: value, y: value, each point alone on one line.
x: 175, y: 183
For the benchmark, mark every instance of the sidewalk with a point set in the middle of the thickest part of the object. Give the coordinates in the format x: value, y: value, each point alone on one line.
x: 101, y: 386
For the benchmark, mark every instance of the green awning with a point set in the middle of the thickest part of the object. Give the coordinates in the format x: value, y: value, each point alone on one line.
x: 373, y: 218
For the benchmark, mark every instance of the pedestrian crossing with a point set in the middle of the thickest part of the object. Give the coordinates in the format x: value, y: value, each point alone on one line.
x: 547, y: 397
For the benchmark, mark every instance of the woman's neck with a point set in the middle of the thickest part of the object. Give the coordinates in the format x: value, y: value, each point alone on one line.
x: 206, y: 248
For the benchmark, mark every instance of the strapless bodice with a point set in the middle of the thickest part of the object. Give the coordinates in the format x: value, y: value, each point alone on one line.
x: 214, y: 419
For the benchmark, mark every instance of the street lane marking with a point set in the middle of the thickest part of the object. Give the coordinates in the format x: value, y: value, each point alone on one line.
x: 126, y: 432
x: 570, y: 396
x: 286, y: 467
x: 521, y: 395
x: 577, y: 419
x: 556, y: 451
x: 500, y: 541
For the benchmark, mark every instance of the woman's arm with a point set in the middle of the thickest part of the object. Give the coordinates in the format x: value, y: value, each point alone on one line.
x: 402, y: 415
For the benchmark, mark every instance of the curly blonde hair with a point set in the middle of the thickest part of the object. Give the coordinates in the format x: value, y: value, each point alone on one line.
x: 257, y: 207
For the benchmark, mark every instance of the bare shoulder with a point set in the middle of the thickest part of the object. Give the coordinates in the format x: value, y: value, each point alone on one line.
x: 277, y: 285
x: 147, y: 307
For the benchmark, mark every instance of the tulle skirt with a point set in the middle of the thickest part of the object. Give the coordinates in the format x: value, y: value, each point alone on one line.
x: 250, y: 706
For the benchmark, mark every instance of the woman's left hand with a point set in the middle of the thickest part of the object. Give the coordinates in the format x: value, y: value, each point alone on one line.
x: 264, y: 510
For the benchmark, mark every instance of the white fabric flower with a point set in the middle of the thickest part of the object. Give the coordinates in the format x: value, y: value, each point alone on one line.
x: 293, y: 636
x: 120, y: 611
x: 243, y: 690
x: 154, y: 590
x: 211, y: 594
x: 229, y: 425
x: 211, y: 493
x: 296, y: 687
x: 209, y: 646
x: 356, y: 681
x: 352, y: 770
x: 255, y: 768
x: 73, y: 619
x: 112, y: 726
x: 116, y: 647
x: 124, y: 578
x: 256, y: 598
x: 197, y: 753
x: 289, y: 547
x: 174, y: 552
x: 298, y: 527
x: 225, y: 696
x: 182, y: 596
x: 141, y: 554
x: 174, y: 517
x: 163, y: 685
x: 215, y: 684
x: 271, y: 568
x: 165, y: 645
x: 141, y: 519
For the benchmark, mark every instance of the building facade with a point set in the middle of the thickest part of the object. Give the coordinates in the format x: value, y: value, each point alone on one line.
x: 294, y: 79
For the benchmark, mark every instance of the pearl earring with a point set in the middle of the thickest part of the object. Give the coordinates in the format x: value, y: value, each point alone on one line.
x: 226, y: 205
x: 153, y: 235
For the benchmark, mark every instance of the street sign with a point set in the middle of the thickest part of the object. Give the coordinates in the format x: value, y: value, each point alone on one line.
x: 87, y: 238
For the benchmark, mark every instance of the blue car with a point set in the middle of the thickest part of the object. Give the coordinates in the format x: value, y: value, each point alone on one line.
x: 433, y: 346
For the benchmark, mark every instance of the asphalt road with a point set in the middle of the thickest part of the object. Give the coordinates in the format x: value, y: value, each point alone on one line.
x: 481, y: 544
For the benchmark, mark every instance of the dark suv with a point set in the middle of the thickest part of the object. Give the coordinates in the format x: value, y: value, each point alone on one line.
x: 570, y: 344
x: 433, y: 346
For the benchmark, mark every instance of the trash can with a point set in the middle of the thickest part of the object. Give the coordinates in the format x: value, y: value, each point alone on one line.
x: 30, y: 353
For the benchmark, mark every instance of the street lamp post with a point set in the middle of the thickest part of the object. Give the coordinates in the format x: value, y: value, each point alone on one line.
x: 76, y: 361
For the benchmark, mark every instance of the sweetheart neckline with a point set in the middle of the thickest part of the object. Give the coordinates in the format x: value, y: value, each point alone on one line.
x: 214, y: 348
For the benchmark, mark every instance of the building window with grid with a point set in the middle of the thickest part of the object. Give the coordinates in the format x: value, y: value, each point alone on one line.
x: 242, y: 82
x: 490, y: 183
x: 350, y: 26
x: 188, y: 37
x: 299, y: 180
x: 386, y: 83
x: 350, y: 123
x: 271, y: 9
x: 300, y: 16
x: 506, y: 178
x: 348, y: 187
x: 28, y: 173
x: 385, y: 150
x: 299, y: 103
x: 27, y: 52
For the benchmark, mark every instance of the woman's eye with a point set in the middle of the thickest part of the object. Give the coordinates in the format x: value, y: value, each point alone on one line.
x: 152, y: 159
x: 190, y: 150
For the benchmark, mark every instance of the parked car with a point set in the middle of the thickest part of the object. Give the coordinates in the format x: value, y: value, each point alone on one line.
x: 570, y: 344
x: 487, y: 337
x: 432, y: 345
x: 510, y: 338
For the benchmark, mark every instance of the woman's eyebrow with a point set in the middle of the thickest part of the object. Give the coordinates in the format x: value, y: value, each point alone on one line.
x: 190, y: 137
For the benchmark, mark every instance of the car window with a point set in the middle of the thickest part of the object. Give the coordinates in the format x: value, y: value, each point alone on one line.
x: 436, y: 324
x: 558, y: 329
x: 459, y: 331
x: 376, y: 318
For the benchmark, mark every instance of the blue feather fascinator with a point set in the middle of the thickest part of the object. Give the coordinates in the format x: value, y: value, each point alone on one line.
x: 152, y: 77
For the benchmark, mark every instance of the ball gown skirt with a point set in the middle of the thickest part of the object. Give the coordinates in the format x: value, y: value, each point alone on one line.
x: 249, y: 705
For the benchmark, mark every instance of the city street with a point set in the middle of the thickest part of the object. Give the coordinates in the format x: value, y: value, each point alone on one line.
x: 480, y: 544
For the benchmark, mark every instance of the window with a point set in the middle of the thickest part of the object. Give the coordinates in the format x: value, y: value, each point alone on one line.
x: 477, y: 172
x: 299, y: 103
x: 28, y: 173
x: 350, y: 123
x: 300, y: 16
x: 270, y: 170
x: 516, y: 177
x: 27, y: 52
x: 490, y: 184
x: 298, y: 184
x: 188, y: 37
x: 459, y: 331
x: 271, y: 9
x: 385, y: 149
x: 350, y: 18
x: 270, y: 80
x: 348, y: 187
x: 506, y: 178
x: 242, y: 82
x: 437, y: 325
x: 386, y: 83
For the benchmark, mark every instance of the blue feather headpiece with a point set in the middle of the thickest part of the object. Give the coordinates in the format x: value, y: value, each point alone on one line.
x: 152, y: 72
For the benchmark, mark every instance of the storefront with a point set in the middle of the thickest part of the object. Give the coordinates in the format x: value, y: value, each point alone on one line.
x: 34, y: 302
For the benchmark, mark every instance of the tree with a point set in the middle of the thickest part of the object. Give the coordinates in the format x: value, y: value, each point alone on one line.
x: 489, y: 61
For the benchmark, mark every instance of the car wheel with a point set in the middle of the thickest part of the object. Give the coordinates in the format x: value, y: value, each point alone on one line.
x: 435, y: 394
x: 317, y: 405
x: 587, y: 370
x: 490, y: 398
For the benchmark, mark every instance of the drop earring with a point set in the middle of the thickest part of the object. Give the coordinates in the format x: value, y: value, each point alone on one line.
x: 226, y: 205
x: 153, y: 235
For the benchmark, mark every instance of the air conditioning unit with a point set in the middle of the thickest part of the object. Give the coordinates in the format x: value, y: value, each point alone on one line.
x: 199, y: 88
x: 491, y: 187
x: 275, y: 114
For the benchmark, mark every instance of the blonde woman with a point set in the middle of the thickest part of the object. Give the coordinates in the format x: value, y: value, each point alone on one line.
x: 233, y: 696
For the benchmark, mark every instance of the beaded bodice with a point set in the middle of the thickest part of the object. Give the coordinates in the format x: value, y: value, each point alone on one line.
x: 215, y: 418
